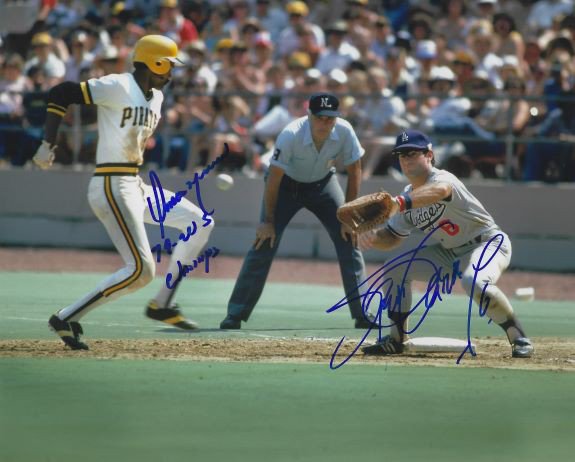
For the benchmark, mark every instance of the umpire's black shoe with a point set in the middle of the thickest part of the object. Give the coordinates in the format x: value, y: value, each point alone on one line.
x: 386, y: 346
x: 366, y: 321
x: 172, y: 316
x: 69, y: 332
x: 231, y: 322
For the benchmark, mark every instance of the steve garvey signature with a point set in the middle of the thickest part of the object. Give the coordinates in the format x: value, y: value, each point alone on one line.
x: 387, y: 295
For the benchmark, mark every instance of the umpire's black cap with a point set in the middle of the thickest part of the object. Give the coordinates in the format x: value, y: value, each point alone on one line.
x: 324, y: 104
x: 410, y: 140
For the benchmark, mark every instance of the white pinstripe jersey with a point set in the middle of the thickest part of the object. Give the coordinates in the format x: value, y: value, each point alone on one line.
x: 469, y: 217
x: 126, y: 119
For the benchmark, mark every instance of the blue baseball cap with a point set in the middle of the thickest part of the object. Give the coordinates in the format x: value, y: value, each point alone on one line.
x: 409, y: 140
x: 324, y: 104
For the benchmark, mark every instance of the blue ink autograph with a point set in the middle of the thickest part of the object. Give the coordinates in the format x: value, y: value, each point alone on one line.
x: 382, y: 289
x: 163, y: 207
x: 183, y: 270
x: 168, y: 246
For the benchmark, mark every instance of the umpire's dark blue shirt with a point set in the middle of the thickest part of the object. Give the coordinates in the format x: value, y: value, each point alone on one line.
x: 296, y: 154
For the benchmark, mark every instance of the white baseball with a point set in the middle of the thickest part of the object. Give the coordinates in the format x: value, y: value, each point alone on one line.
x: 224, y: 181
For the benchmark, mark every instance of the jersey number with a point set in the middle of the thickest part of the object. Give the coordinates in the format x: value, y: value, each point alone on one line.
x: 449, y: 227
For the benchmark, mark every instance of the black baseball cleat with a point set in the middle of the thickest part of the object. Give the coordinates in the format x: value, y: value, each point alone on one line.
x: 386, y: 346
x: 231, y: 323
x: 172, y: 316
x: 522, y: 348
x: 69, y: 332
x: 366, y: 321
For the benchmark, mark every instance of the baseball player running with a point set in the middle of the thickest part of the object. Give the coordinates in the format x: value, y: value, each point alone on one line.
x: 435, y: 200
x: 129, y: 108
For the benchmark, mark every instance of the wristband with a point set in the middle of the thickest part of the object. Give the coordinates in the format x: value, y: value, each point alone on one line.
x: 401, y: 202
x: 404, y: 201
x: 408, y: 202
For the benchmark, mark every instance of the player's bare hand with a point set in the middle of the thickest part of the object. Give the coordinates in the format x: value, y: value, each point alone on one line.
x: 366, y: 240
x: 44, y: 157
x: 348, y: 234
x: 264, y: 232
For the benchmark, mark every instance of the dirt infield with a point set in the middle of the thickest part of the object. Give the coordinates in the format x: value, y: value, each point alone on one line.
x: 551, y: 353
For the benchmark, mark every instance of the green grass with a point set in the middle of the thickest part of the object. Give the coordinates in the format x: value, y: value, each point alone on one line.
x: 136, y: 410
x: 165, y: 410
x: 284, y: 310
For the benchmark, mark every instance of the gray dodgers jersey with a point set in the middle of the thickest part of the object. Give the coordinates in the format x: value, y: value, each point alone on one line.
x: 469, y: 217
x: 296, y: 155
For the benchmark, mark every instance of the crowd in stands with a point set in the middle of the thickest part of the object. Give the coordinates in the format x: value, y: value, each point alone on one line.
x: 489, y: 80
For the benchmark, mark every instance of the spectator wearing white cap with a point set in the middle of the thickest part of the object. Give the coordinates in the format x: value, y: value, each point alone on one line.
x: 479, y: 114
x: 484, y: 102
x: 108, y: 61
x: 426, y: 56
x: 445, y: 109
x: 80, y: 57
x: 337, y: 82
x: 339, y: 52
x: 510, y: 68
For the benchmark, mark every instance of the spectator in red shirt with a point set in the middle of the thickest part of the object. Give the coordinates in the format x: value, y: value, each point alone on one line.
x: 173, y: 24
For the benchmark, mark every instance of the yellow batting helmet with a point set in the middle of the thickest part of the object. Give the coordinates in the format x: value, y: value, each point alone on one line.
x: 157, y: 52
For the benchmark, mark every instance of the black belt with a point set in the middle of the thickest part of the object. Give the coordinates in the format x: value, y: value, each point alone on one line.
x: 116, y: 169
x: 475, y: 240
x: 299, y: 186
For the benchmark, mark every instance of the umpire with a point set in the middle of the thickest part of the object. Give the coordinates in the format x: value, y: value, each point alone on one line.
x: 301, y: 175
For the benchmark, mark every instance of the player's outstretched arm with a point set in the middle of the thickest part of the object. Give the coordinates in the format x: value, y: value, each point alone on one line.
x: 427, y: 194
x: 59, y: 98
